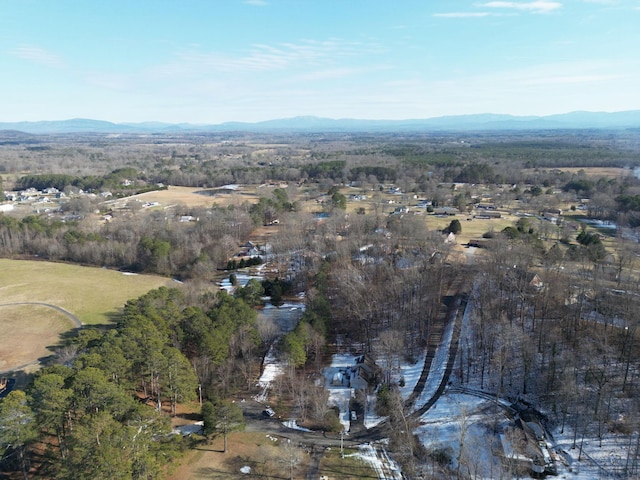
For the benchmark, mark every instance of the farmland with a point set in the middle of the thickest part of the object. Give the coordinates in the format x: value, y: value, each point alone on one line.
x: 93, y: 295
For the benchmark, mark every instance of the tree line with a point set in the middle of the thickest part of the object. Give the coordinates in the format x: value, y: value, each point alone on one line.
x: 122, y: 181
x: 102, y: 410
x: 149, y: 243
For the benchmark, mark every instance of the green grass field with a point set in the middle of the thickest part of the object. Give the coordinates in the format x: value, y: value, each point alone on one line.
x: 93, y: 295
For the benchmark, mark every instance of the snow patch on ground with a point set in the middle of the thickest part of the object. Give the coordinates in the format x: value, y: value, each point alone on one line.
x: 241, y: 281
x: 441, y: 429
x: 338, y: 380
x: 377, y: 457
x: 370, y: 417
x: 186, y: 430
x: 438, y: 367
x: 272, y: 368
x: 596, y: 461
x: 291, y: 423
x: 410, y: 373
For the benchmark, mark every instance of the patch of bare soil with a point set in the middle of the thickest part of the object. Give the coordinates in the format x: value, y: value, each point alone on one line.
x: 611, y: 172
x: 196, y: 197
x: 265, y: 456
x: 261, y: 234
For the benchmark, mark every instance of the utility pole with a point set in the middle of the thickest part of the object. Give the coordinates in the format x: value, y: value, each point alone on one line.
x: 341, y: 443
x: 290, y: 460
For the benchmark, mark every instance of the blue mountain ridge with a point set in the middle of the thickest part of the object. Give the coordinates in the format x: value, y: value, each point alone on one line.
x: 488, y: 122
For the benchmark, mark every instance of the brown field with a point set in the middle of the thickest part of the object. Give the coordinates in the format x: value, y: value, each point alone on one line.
x: 473, y: 228
x: 611, y: 172
x: 253, y: 449
x: 193, y: 197
x: 267, y: 459
x: 27, y: 332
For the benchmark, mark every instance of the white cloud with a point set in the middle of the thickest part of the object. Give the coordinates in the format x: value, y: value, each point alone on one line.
x: 538, y: 6
x: 265, y: 57
x: 569, y: 79
x: 462, y: 14
x: 37, y: 55
x: 335, y: 73
x: 331, y: 73
x: 257, y: 3
x: 110, y: 81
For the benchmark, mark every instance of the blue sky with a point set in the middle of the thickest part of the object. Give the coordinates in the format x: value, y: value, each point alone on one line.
x: 211, y: 61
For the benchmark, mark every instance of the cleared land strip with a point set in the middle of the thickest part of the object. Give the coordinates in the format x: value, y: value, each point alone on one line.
x: 436, y: 337
x: 456, y: 313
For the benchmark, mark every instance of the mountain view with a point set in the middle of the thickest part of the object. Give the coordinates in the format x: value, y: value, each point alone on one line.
x: 580, y: 120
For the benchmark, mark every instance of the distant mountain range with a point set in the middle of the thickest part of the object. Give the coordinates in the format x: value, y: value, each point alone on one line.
x: 488, y: 122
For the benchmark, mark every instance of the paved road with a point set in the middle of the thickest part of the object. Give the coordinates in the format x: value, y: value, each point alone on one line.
x: 257, y: 421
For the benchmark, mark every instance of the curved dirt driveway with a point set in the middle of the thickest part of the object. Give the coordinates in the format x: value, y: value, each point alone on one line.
x: 76, y: 323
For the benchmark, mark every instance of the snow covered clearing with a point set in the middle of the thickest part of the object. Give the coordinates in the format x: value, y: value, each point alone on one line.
x: 437, y: 370
x: 376, y: 456
x: 272, y: 367
x: 186, y: 430
x: 410, y: 374
x: 442, y: 427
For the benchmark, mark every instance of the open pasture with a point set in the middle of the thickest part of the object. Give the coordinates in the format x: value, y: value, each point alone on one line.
x: 30, y: 291
x: 193, y: 197
x: 91, y: 294
x: 596, y: 172
x: 473, y: 228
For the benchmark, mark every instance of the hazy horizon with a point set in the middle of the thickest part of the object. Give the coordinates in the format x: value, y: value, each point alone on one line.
x: 488, y: 116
